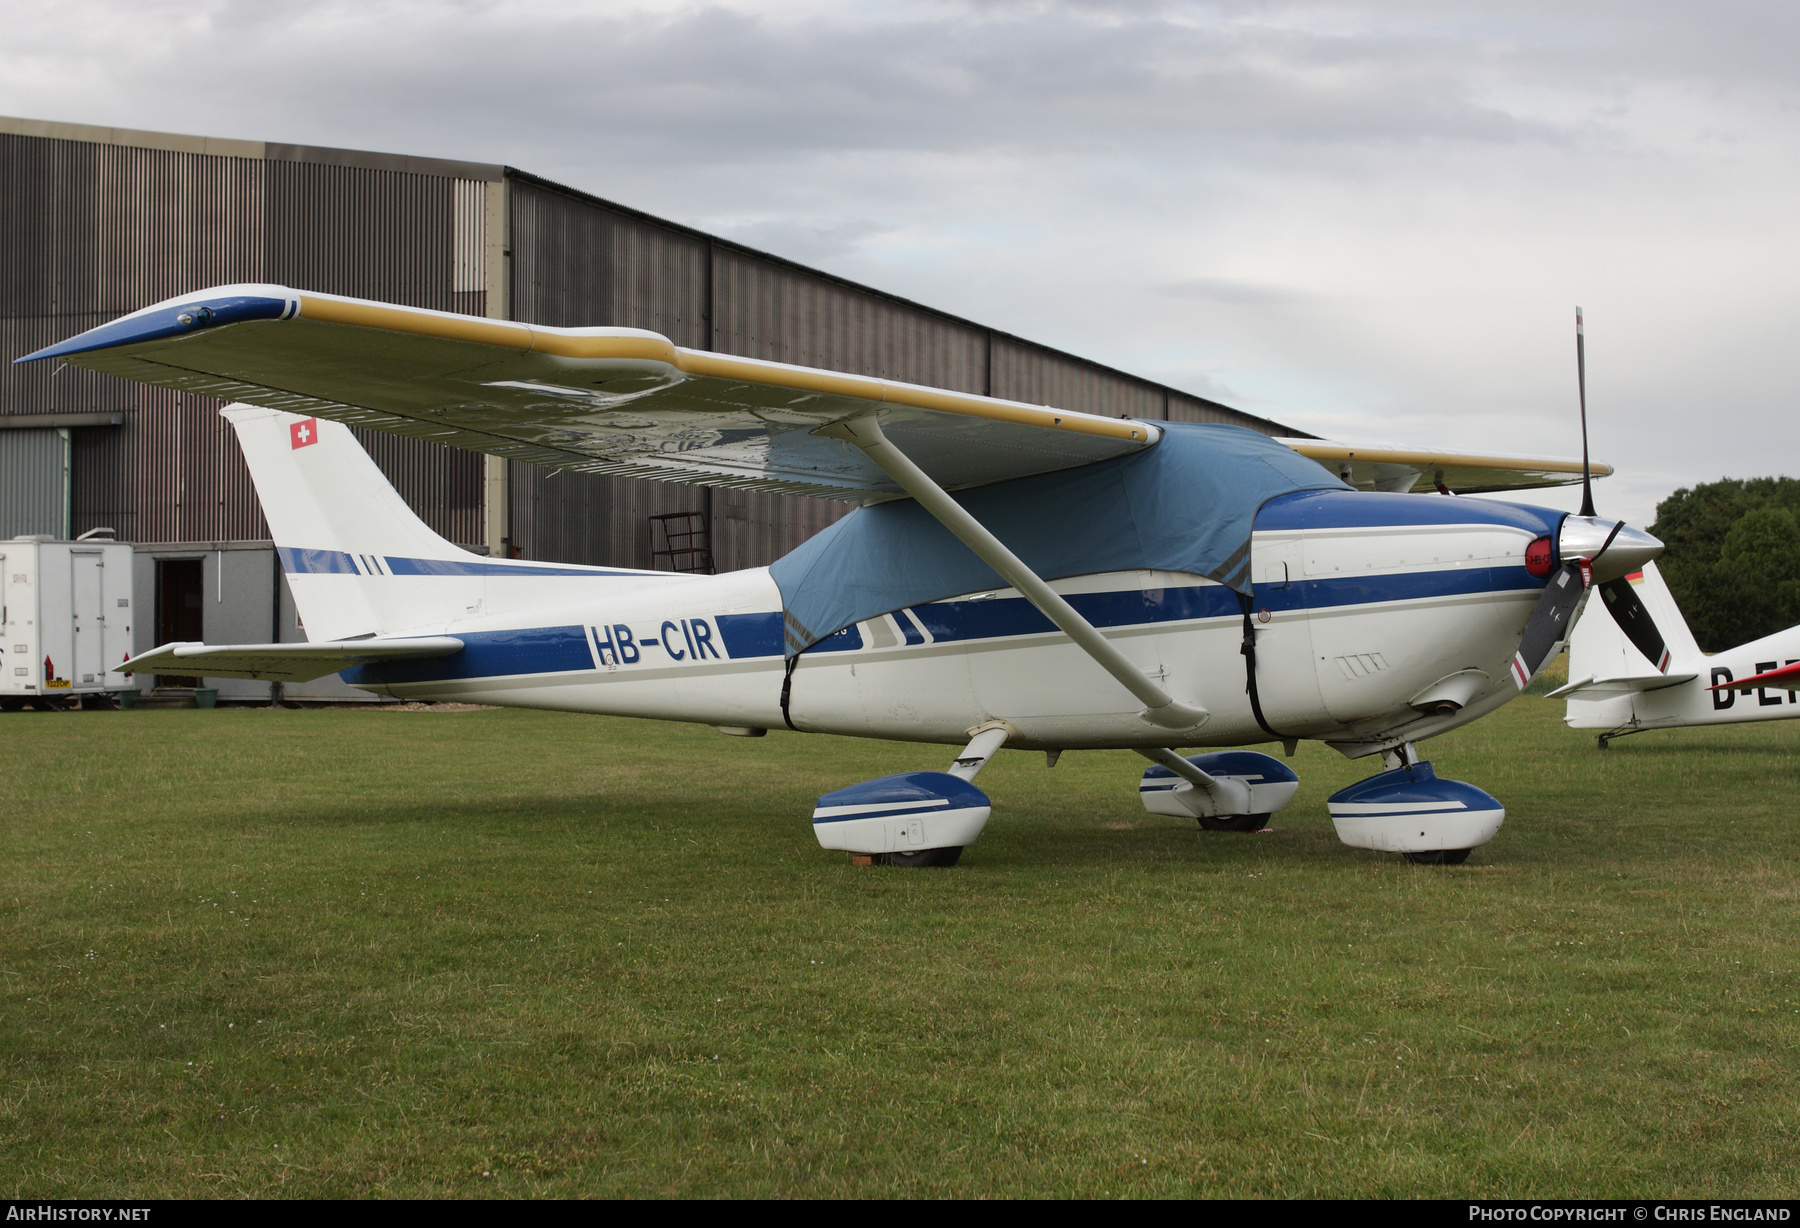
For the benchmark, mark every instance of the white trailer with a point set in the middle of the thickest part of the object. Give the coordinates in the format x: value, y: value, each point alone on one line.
x: 65, y: 618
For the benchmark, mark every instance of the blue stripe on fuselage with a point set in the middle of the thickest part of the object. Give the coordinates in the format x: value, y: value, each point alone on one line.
x: 995, y: 617
x: 1367, y: 509
x: 477, y: 567
x: 335, y: 562
x: 488, y: 654
x: 751, y: 636
x: 1406, y: 586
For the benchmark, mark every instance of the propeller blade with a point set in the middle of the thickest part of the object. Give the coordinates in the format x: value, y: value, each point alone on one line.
x: 1549, y: 625
x: 1634, y: 620
x: 1587, y: 472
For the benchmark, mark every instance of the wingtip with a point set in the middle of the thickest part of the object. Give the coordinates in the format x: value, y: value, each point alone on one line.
x: 176, y: 317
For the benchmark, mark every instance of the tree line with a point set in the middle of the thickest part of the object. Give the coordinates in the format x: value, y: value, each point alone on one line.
x: 1733, y: 557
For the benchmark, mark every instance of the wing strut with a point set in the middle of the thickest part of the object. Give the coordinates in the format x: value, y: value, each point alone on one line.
x: 1159, y: 707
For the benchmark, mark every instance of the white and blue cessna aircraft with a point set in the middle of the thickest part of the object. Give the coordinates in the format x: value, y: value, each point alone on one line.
x: 1093, y: 583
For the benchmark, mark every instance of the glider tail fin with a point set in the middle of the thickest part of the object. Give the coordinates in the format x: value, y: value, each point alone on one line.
x: 1599, y: 649
x: 1654, y: 592
x: 339, y: 525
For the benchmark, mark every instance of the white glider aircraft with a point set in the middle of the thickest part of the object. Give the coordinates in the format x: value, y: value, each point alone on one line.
x: 1094, y: 582
x: 1642, y: 670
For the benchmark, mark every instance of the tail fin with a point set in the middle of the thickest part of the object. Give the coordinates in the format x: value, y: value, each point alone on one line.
x: 1654, y: 593
x: 339, y: 524
x: 1598, y: 649
x: 336, y: 521
x: 320, y: 490
x: 359, y: 563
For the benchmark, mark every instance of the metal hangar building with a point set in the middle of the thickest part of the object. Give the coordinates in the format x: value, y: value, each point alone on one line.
x: 96, y: 222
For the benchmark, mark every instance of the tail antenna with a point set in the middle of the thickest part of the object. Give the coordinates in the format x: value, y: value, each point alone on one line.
x: 1587, y: 472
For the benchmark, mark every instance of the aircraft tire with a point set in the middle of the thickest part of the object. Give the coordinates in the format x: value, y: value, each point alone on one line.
x: 942, y: 858
x: 1234, y: 822
x: 1440, y: 857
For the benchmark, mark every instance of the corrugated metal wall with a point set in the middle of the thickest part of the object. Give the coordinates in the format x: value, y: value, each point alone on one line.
x: 90, y: 231
x: 578, y: 262
x: 768, y: 309
x: 34, y: 475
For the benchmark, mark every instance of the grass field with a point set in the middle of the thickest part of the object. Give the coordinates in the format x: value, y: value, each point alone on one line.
x: 330, y: 953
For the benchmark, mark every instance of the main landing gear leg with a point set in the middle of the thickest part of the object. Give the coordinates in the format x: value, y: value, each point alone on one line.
x: 916, y: 818
x: 1612, y: 735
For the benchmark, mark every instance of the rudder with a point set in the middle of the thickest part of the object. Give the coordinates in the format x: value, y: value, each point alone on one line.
x: 335, y: 518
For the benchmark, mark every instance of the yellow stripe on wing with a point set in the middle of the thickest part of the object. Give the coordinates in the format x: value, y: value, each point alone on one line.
x: 565, y: 343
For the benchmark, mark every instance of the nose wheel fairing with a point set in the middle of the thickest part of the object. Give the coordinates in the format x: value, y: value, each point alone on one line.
x: 1410, y: 810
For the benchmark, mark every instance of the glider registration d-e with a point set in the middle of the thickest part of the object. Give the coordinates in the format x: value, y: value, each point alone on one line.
x: 1092, y: 582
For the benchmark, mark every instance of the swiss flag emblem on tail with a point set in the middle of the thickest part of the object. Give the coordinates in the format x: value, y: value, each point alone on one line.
x: 300, y: 434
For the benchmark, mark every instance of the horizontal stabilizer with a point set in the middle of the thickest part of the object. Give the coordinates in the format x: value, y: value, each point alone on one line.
x: 285, y: 662
x: 1605, y: 688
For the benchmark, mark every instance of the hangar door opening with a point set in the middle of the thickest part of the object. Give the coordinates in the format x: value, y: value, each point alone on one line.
x: 180, y: 609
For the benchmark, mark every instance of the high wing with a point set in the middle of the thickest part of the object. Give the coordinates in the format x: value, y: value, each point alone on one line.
x: 598, y: 400
x: 1422, y: 469
x: 631, y: 403
x: 286, y: 662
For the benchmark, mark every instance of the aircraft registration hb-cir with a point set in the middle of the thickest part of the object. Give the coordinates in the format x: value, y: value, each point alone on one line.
x: 1095, y: 582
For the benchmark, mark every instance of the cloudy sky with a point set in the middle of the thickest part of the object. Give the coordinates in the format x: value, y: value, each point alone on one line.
x: 1371, y: 221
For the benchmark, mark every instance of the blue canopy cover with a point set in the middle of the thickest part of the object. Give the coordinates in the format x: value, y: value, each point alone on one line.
x: 1188, y: 504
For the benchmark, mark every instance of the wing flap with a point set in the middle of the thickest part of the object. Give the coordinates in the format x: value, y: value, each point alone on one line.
x: 286, y: 662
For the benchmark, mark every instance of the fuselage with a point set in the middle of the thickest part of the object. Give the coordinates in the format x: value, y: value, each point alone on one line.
x: 1694, y: 702
x: 1362, y: 604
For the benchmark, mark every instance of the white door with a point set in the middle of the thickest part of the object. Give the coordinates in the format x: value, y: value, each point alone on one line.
x: 87, y: 615
x: 8, y: 681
